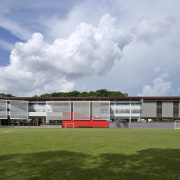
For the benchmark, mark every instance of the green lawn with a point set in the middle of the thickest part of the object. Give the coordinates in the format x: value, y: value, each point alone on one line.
x: 88, y: 154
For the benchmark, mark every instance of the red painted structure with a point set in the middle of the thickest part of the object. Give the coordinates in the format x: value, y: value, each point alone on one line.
x: 85, y: 123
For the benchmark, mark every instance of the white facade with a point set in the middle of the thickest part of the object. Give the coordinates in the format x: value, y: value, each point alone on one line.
x: 51, y: 110
x: 126, y: 110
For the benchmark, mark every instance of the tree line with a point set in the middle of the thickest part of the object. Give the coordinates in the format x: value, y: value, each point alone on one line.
x: 6, y: 95
x: 97, y: 93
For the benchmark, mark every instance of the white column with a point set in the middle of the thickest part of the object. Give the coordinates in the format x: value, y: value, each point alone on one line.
x: 130, y: 112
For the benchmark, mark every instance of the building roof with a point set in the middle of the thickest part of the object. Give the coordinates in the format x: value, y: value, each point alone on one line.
x: 90, y: 98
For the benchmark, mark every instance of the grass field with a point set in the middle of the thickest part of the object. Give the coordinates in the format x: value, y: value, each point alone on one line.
x: 88, y: 154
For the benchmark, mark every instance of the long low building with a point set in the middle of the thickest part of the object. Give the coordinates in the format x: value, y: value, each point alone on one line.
x: 89, y: 111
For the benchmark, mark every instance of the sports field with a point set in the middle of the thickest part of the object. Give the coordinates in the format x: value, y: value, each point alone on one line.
x: 89, y: 154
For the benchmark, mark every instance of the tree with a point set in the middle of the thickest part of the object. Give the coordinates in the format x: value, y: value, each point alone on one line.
x: 102, y: 93
x: 92, y: 94
x: 83, y: 94
x: 97, y: 93
x: 6, y: 95
x: 73, y: 93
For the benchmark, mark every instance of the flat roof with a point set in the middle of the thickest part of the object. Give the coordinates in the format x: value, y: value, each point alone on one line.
x: 89, y: 98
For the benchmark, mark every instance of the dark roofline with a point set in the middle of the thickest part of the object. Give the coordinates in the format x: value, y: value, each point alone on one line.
x: 89, y: 98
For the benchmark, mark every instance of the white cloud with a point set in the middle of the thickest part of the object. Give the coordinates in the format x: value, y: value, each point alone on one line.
x: 88, y: 11
x: 159, y: 87
x: 37, y: 66
x: 65, y: 53
x: 176, y: 42
x: 147, y: 31
x: 15, y: 28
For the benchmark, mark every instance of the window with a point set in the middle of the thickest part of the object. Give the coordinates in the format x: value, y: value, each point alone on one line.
x: 159, y: 109
x: 176, y: 109
x: 135, y: 104
x: 135, y: 111
x: 122, y: 110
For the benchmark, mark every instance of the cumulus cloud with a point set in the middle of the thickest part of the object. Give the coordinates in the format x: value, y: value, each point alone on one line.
x: 37, y: 66
x: 160, y: 86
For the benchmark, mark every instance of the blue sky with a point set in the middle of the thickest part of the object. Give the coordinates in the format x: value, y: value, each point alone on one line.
x: 130, y: 46
x: 5, y: 49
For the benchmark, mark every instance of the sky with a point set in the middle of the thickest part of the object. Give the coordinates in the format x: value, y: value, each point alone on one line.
x: 54, y: 45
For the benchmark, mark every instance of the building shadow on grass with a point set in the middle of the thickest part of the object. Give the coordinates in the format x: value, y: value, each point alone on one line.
x: 146, y: 164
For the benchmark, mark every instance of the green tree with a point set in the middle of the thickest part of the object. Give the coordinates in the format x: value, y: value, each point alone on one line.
x: 92, y: 94
x: 7, y: 95
x: 73, y: 93
x: 97, y: 93
x: 102, y: 93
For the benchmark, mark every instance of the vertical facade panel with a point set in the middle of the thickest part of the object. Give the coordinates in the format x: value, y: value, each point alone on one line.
x: 58, y: 110
x: 19, y: 109
x: 101, y: 110
x: 149, y: 109
x: 81, y: 110
x: 179, y: 110
x: 3, y: 109
x: 167, y: 109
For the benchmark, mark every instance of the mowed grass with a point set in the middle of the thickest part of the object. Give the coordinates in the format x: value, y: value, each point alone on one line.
x: 89, y: 154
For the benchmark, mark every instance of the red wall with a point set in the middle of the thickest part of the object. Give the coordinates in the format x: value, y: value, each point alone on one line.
x: 83, y: 123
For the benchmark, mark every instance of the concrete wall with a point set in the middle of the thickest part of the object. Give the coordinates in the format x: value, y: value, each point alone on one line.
x: 142, y: 125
